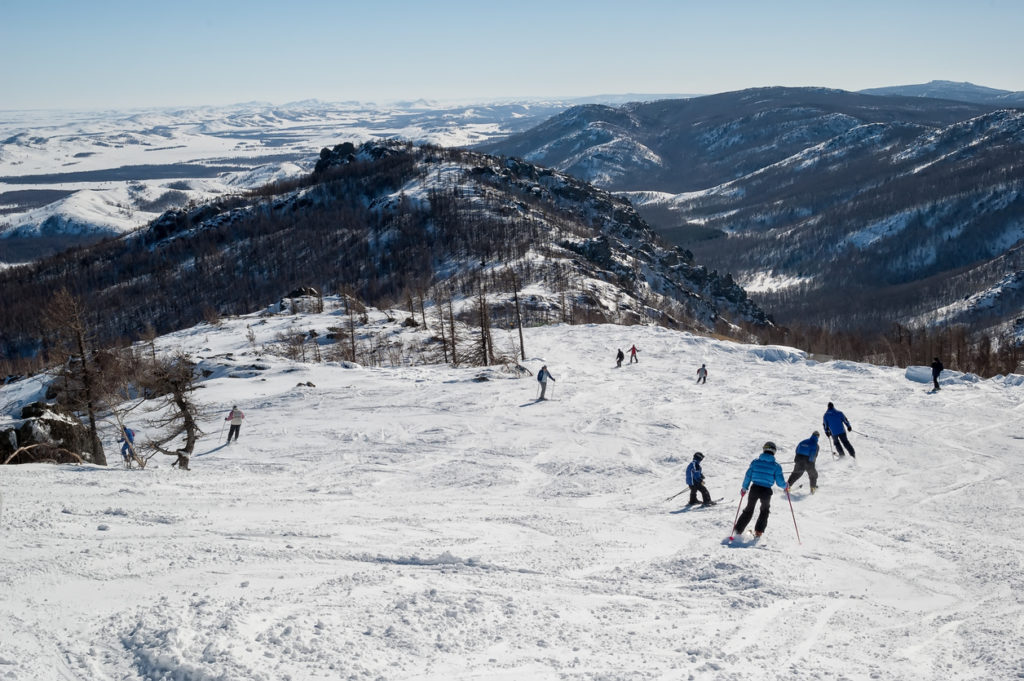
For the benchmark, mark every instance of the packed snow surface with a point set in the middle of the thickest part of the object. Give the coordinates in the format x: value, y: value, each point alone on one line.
x: 415, y: 523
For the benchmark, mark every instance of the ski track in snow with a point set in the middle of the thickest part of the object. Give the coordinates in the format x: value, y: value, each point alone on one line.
x: 412, y: 523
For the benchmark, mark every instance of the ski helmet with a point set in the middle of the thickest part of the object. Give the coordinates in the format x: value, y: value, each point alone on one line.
x: 698, y: 456
x: 815, y: 434
x: 769, y: 447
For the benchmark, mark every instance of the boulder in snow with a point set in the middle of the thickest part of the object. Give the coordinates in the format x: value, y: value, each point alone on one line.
x: 55, y: 429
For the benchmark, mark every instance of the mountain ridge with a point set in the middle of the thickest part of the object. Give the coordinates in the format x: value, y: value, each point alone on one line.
x: 385, y: 221
x: 947, y: 89
x: 814, y: 188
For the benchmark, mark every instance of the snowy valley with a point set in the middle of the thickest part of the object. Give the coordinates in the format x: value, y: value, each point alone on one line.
x: 420, y: 521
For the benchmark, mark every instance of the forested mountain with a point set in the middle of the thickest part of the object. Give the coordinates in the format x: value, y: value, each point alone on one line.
x: 834, y: 208
x: 885, y: 222
x: 682, y: 145
x: 386, y: 222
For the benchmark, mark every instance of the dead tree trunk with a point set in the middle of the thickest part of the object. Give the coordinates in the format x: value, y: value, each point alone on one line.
x: 519, y: 315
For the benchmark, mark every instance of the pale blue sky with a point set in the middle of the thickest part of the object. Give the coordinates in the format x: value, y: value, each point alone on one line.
x: 115, y: 54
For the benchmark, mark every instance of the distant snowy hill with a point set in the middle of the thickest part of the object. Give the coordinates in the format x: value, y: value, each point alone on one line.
x: 947, y: 89
x: 419, y: 521
x: 388, y: 221
x: 894, y: 205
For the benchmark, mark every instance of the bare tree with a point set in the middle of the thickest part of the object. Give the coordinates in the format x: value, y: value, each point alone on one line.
x: 350, y: 312
x: 65, y: 318
x: 120, y: 392
x: 482, y: 318
x: 177, y: 413
x: 519, y: 314
x: 451, y: 318
x: 440, y: 317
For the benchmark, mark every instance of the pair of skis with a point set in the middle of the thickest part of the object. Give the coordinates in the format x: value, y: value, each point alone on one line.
x: 732, y: 536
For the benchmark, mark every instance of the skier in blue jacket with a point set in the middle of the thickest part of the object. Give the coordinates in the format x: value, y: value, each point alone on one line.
x: 695, y: 481
x: 761, y: 474
x: 127, y: 449
x: 836, y: 423
x: 806, y: 453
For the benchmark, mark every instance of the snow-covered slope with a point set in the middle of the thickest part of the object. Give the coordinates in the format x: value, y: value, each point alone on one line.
x: 415, y: 523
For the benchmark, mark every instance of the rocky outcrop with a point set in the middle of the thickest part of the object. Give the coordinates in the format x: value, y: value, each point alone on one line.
x: 54, y: 429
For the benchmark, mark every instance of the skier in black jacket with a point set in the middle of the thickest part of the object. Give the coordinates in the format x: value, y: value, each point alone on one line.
x: 695, y: 481
x: 936, y: 370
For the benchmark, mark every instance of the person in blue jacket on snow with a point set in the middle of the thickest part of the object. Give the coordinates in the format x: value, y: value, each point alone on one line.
x: 127, y: 449
x: 695, y: 481
x: 761, y: 474
x: 542, y: 377
x: 806, y: 453
x: 836, y: 423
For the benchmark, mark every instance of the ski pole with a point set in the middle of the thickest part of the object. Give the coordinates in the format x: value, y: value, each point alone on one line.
x: 676, y: 494
x: 859, y: 433
x: 793, y: 513
x: 221, y: 430
x: 830, y: 448
x: 732, y: 532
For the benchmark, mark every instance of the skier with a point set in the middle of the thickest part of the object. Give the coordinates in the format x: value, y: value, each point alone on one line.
x: 695, y: 481
x: 936, y: 371
x: 128, y: 438
x: 702, y: 374
x: 632, y: 355
x: 543, y: 375
x: 762, y: 472
x: 834, y: 422
x: 618, y: 358
x: 806, y: 453
x: 235, y: 416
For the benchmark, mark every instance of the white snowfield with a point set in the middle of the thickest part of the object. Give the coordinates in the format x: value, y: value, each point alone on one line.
x: 415, y: 524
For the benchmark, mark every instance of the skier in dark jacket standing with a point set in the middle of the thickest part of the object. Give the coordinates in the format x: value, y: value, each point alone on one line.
x: 619, y: 357
x: 542, y: 376
x: 695, y: 481
x: 702, y: 374
x: 836, y: 423
x: 806, y: 453
x: 936, y: 372
x: 761, y: 474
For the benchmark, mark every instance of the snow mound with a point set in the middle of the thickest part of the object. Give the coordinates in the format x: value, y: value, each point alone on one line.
x: 777, y: 354
x: 922, y: 374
